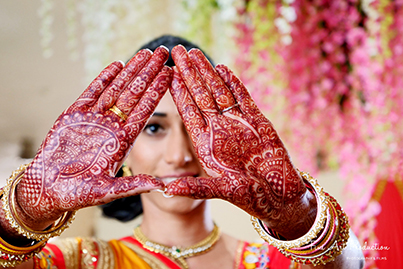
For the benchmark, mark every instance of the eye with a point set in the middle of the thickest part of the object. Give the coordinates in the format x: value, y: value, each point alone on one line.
x: 153, y: 129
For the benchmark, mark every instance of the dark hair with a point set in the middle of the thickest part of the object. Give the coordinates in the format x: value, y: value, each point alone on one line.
x: 126, y: 209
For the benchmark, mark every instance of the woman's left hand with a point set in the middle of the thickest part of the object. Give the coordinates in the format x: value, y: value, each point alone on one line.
x: 236, y: 144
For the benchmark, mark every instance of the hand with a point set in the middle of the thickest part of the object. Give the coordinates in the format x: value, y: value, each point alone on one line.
x: 239, y: 148
x: 76, y: 164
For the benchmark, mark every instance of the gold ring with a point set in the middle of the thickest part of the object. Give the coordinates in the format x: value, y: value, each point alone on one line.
x: 229, y: 108
x: 118, y: 112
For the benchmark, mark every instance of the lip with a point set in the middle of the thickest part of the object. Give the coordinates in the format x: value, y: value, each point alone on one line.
x: 169, y: 178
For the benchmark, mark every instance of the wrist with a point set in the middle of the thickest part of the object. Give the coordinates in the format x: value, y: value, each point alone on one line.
x: 324, y: 241
x: 33, y: 221
x: 15, y: 215
x: 14, y: 247
x: 297, y: 223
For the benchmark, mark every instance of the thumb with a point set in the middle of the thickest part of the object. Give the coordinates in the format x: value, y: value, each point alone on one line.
x: 120, y: 187
x: 197, y: 187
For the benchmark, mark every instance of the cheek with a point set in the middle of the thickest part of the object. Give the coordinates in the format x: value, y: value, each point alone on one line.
x: 142, y: 159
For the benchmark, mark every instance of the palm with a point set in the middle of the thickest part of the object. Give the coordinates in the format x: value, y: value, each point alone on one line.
x: 239, y: 148
x: 76, y: 164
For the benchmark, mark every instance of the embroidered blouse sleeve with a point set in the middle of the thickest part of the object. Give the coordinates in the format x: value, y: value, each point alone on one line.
x: 75, y: 253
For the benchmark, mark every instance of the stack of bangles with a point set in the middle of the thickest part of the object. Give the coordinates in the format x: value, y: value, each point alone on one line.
x: 11, y: 255
x: 325, y: 240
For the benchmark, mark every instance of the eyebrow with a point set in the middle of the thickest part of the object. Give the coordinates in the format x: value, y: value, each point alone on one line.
x: 159, y: 114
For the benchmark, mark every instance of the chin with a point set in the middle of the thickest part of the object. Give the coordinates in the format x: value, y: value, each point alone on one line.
x: 175, y: 204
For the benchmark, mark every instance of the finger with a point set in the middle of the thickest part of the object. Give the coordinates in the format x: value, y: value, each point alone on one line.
x: 111, y: 189
x: 148, y: 102
x: 197, y: 187
x: 194, y: 82
x: 233, y: 190
x: 98, y: 85
x: 133, y: 92
x: 112, y: 92
x: 222, y: 95
x: 238, y: 90
x: 187, y: 108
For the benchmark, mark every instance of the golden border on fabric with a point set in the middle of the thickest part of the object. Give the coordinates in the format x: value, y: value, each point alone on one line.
x: 70, y: 249
x: 82, y: 252
x: 106, y: 256
x: 89, y: 253
x: 153, y: 261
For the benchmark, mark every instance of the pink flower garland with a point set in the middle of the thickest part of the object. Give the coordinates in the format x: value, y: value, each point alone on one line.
x: 342, y: 80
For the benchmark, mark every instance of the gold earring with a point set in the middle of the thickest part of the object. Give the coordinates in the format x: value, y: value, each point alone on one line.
x: 126, y: 171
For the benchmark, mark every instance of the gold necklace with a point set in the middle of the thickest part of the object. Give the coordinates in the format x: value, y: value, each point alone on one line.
x: 179, y: 253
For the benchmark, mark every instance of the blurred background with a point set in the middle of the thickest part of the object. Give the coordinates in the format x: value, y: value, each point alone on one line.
x: 328, y: 74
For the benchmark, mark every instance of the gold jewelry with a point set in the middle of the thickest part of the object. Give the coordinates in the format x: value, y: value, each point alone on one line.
x: 8, y: 200
x: 126, y: 171
x: 13, y: 255
x: 118, y: 112
x: 325, y: 251
x: 178, y: 253
x: 229, y: 108
x: 331, y: 233
x: 316, y: 228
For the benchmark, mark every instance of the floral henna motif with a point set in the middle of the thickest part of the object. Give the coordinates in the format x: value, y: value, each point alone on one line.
x: 223, y: 97
x: 240, y: 149
x: 110, y: 95
x: 76, y: 163
x: 142, y: 81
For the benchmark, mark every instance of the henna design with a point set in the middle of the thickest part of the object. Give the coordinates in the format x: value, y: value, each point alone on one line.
x: 195, y: 82
x: 136, y: 88
x: 97, y: 86
x: 240, y: 149
x: 111, y: 94
x: 223, y: 97
x: 77, y: 161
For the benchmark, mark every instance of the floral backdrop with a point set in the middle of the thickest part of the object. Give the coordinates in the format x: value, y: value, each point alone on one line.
x: 330, y: 72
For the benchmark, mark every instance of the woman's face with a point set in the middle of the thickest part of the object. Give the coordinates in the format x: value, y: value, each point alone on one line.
x: 164, y: 150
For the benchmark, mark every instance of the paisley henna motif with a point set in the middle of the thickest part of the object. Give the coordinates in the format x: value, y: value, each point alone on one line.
x: 240, y: 149
x: 76, y: 163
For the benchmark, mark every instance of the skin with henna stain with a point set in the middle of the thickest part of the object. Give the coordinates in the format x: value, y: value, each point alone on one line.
x: 75, y: 165
x: 239, y: 149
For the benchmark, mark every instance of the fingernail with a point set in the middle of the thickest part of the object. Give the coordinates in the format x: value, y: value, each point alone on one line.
x: 162, y: 46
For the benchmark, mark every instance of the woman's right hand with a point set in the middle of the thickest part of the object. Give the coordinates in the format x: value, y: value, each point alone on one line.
x: 75, y: 165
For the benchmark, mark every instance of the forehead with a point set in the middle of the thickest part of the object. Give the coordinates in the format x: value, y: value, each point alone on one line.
x: 167, y: 105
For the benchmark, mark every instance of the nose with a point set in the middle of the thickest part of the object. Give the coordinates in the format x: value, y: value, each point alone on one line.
x: 179, y: 151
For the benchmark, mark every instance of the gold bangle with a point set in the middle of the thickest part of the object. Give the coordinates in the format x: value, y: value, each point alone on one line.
x: 330, y: 230
x: 322, y: 203
x: 13, y: 255
x: 328, y: 252
x: 11, y: 215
